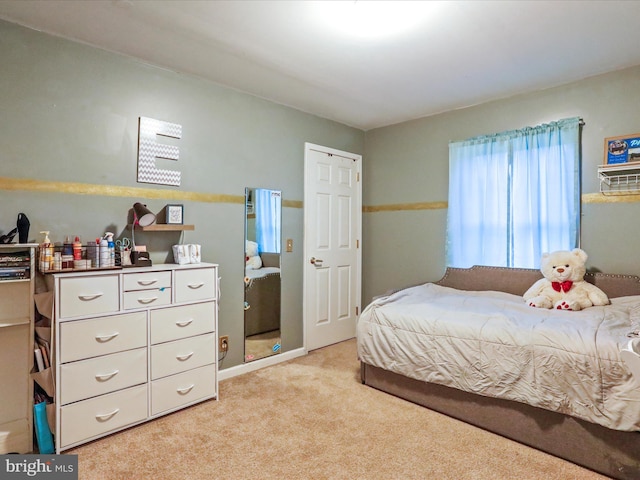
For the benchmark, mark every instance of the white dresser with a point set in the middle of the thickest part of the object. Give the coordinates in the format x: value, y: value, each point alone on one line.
x: 131, y: 345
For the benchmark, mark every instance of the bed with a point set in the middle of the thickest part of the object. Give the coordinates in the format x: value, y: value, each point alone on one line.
x: 468, y: 346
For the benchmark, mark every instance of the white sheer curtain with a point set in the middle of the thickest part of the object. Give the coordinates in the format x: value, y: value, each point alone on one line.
x: 268, y: 219
x: 514, y: 196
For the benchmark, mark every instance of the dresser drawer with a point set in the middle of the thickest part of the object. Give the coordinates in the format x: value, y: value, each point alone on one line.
x: 96, y: 376
x: 174, y: 357
x: 177, y: 390
x: 96, y: 416
x: 180, y: 322
x: 195, y: 284
x: 89, y: 295
x: 147, y: 298
x: 82, y: 339
x: 143, y: 281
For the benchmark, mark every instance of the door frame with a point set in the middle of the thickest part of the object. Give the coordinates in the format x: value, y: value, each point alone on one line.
x: 308, y: 147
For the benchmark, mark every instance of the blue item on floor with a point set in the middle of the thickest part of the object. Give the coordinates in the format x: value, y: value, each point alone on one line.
x: 43, y: 433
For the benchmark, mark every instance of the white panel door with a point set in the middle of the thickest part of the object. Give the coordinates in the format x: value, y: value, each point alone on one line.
x: 332, y: 221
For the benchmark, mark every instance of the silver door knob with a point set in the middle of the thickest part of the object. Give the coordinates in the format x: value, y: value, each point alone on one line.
x: 316, y: 261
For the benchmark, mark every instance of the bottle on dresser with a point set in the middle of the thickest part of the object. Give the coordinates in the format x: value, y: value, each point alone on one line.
x: 46, y: 253
x: 77, y: 249
x: 103, y: 259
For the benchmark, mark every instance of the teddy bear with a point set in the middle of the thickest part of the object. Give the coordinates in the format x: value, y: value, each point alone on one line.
x: 253, y: 260
x: 563, y: 286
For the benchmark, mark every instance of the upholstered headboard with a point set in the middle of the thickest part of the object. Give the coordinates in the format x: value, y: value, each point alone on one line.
x: 270, y: 259
x: 518, y: 280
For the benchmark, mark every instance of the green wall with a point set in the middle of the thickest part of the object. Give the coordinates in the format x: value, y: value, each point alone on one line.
x: 69, y: 123
x: 407, y: 165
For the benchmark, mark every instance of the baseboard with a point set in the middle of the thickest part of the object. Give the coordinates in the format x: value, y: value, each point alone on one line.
x: 262, y: 363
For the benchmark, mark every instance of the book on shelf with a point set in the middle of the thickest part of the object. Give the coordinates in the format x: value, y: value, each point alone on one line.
x: 38, y: 355
x: 14, y: 264
x: 14, y: 273
x: 15, y: 259
x: 46, y: 351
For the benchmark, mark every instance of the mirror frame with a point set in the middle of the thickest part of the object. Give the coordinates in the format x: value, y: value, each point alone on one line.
x: 262, y: 280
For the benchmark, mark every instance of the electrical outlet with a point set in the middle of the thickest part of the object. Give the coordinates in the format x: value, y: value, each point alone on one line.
x: 223, y: 345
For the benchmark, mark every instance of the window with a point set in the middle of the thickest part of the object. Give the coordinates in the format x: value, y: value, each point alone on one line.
x: 514, y: 196
x: 268, y: 219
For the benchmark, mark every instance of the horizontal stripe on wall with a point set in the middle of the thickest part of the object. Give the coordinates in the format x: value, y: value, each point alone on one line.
x: 612, y: 198
x: 31, y: 185
x: 72, y: 188
x: 398, y: 207
x: 586, y: 198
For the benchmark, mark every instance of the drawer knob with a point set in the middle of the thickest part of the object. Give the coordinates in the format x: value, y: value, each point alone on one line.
x: 106, y: 338
x: 184, y: 357
x: 146, y: 283
x: 195, y: 285
x: 148, y: 300
x: 106, y: 376
x: 106, y: 416
x: 184, y: 391
x: 184, y: 323
x: 87, y: 298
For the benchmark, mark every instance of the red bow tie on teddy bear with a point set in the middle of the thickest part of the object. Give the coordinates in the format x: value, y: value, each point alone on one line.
x: 562, y: 286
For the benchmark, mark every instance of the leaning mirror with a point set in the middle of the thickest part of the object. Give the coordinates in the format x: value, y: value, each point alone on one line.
x: 262, y: 273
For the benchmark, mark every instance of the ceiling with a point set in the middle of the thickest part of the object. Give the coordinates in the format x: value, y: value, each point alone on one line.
x: 455, y: 54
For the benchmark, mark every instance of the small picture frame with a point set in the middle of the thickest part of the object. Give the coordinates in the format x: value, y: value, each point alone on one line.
x: 622, y: 149
x: 174, y: 214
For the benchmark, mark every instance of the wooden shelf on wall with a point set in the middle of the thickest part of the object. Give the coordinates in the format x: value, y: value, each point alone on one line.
x: 158, y: 227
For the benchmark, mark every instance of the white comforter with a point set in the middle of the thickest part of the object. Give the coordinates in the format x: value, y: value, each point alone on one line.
x: 493, y: 344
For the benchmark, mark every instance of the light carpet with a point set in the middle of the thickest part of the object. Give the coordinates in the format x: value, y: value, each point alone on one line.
x: 311, y: 418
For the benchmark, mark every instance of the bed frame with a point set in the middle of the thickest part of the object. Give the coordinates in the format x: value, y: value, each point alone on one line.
x: 611, y: 452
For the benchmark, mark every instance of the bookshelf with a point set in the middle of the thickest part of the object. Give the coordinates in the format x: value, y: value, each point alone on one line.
x: 17, y: 270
